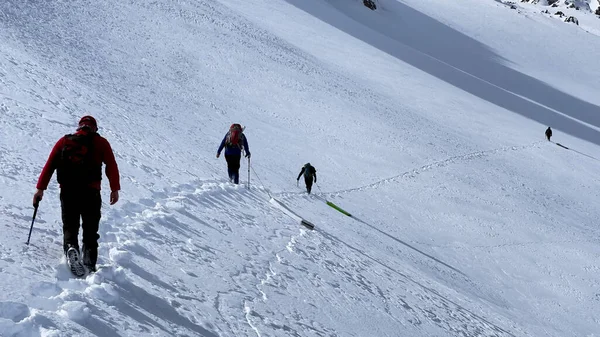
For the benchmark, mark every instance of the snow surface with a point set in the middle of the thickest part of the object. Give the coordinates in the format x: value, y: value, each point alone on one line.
x: 424, y: 119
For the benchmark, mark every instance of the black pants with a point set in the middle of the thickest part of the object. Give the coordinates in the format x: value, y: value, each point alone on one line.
x: 233, y: 167
x: 309, y: 182
x: 84, y: 204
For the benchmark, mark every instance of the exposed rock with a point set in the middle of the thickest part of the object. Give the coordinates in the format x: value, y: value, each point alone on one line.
x: 572, y: 19
x: 370, y: 4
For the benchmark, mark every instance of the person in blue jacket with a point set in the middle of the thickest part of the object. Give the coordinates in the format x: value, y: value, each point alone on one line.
x: 234, y: 142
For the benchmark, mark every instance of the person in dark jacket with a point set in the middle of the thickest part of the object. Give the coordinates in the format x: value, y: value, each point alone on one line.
x: 310, y: 174
x: 548, y: 133
x: 80, y: 187
x: 234, y: 142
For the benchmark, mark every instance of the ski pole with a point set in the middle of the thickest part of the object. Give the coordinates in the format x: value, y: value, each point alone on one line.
x: 248, y: 172
x: 35, y: 208
x: 319, y: 188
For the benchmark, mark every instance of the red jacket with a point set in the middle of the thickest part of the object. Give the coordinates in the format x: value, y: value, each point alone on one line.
x: 102, y: 154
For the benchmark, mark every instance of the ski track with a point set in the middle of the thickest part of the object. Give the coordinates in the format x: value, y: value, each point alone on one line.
x: 432, y: 166
x: 414, y: 172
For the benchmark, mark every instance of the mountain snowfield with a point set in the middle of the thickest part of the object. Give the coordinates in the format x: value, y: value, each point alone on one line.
x: 425, y: 120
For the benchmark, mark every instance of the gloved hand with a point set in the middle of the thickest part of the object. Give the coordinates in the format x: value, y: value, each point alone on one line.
x: 37, y: 197
x: 247, y: 154
x: 218, y: 155
x: 114, y: 197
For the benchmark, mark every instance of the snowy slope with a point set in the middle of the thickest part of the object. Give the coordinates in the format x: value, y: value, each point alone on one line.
x: 424, y: 120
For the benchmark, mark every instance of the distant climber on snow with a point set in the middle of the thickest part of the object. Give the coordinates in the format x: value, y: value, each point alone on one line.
x: 234, y: 142
x: 548, y: 133
x: 310, y: 174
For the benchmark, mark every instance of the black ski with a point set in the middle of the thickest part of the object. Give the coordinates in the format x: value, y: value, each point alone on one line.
x: 307, y: 224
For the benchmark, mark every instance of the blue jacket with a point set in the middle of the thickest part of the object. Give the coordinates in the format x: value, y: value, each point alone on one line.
x: 234, y: 150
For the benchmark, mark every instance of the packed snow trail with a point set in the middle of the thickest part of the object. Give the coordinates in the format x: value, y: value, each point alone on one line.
x: 414, y: 172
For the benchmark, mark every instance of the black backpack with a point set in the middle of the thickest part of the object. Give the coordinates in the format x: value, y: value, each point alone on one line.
x: 309, y: 171
x: 75, y: 166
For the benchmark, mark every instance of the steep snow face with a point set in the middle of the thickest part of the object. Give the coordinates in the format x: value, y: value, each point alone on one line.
x: 425, y: 122
x: 572, y: 69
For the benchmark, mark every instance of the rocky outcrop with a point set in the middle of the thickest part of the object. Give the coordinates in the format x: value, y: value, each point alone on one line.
x: 370, y: 4
x: 572, y: 19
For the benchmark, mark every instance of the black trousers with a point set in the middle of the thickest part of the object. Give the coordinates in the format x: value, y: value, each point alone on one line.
x: 309, y: 182
x: 81, y: 204
x: 233, y: 167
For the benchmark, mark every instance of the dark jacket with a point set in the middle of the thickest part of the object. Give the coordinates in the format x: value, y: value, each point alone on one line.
x: 309, y: 173
x: 234, y: 150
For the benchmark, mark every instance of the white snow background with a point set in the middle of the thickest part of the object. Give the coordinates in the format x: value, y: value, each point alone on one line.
x: 425, y: 120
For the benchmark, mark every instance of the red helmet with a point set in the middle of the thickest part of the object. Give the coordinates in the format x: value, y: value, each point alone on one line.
x: 88, y: 122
